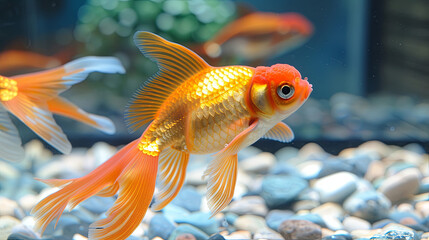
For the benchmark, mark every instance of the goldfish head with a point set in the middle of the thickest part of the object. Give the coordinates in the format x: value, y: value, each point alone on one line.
x: 278, y: 90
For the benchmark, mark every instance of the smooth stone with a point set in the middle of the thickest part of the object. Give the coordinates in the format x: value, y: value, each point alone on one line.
x: 415, y: 147
x: 173, y: 212
x: 376, y: 170
x: 424, y: 184
x: 250, y: 223
x: 185, y: 236
x: 336, y: 187
x: 333, y: 165
x: 332, y: 223
x: 360, y: 162
x: 216, y: 236
x: 101, y: 152
x: 276, y: 217
x: 27, y: 202
x: 260, y: 163
x: 312, y: 151
x: 194, y: 177
x: 310, y: 169
x: 380, y: 148
x: 286, y: 153
x: 371, y: 205
x: 382, y: 223
x: 253, y: 205
x: 402, y: 185
x: 354, y: 223
x: 399, y: 216
x: 80, y: 237
x: 7, y: 171
x: 186, y: 228
x: 338, y: 237
x: 278, y: 191
x: 35, y: 154
x: 266, y: 234
x: 7, y: 223
x: 230, y: 218
x: 10, y: 208
x: 72, y: 229
x: 84, y: 215
x: 395, y: 231
x: 64, y: 221
x: 423, y: 208
x: 19, y: 236
x: 309, y: 194
x: 305, y: 205
x: 200, y: 220
x: 98, y: 205
x: 402, y: 155
x: 239, y: 235
x: 365, y: 234
x: 189, y: 199
x: 300, y: 230
x: 314, y: 218
x: 248, y: 152
x: 329, y: 209
x: 160, y: 226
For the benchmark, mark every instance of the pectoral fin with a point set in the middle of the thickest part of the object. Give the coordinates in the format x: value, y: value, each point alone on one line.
x: 222, y: 176
x: 280, y: 132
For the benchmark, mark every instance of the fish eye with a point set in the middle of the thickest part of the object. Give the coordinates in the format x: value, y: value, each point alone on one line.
x: 285, y: 91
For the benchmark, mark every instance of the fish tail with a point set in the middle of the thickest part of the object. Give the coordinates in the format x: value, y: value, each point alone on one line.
x: 130, y: 171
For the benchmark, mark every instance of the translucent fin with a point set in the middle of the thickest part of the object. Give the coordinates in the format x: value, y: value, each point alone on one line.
x: 280, y: 132
x: 222, y: 176
x: 63, y: 107
x: 237, y: 143
x: 40, y: 120
x: 172, y: 165
x: 55, y: 182
x: 176, y: 65
x: 77, y: 190
x: 109, y: 191
x: 10, y: 141
x: 48, y: 84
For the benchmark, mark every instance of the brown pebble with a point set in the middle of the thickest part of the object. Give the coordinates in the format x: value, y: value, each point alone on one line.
x: 408, y: 221
x: 300, y: 230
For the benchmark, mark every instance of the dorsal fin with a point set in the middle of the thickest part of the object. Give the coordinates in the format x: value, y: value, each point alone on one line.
x: 176, y: 64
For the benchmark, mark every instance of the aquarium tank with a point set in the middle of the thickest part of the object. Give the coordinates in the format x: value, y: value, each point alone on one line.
x: 350, y: 163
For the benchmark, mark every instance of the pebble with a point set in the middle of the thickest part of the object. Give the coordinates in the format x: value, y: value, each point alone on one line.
x: 216, y: 236
x: 250, y: 223
x: 260, y: 163
x: 160, y: 226
x: 185, y: 236
x: 280, y: 190
x: 276, y: 217
x: 423, y: 208
x: 7, y: 223
x: 188, y: 229
x: 375, y: 171
x: 266, y: 234
x: 8, y: 171
x: 201, y: 221
x: 10, y: 208
x: 300, y: 230
x: 239, y: 235
x: 369, y: 205
x: 329, y: 209
x: 402, y: 185
x: 335, y: 187
x: 254, y: 205
x: 354, y: 223
x: 189, y: 199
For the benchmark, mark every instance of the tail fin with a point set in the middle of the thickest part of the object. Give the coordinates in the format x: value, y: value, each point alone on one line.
x: 30, y: 104
x: 130, y: 171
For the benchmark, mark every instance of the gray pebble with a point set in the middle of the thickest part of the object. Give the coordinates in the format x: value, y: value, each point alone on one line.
x: 160, y: 226
x: 371, y: 205
x: 402, y: 185
x: 336, y: 187
x: 279, y: 190
x: 276, y: 217
x: 200, y: 220
x: 189, y: 199
x: 254, y: 205
x: 186, y: 228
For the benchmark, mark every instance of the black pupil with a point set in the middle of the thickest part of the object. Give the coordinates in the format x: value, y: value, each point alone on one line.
x: 285, y: 90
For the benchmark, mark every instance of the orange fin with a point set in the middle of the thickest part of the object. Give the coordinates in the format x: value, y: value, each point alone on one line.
x: 237, y: 143
x: 130, y: 171
x: 35, y: 89
x: 172, y: 165
x: 10, y: 141
x: 222, y: 176
x: 55, y: 182
x: 40, y: 120
x: 280, y: 132
x: 176, y: 63
x: 63, y: 107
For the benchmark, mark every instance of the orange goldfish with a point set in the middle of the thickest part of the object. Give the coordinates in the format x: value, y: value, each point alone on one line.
x: 193, y: 108
x: 32, y: 98
x: 15, y: 59
x: 259, y: 36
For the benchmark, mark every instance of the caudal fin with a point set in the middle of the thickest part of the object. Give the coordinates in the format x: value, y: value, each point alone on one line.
x: 130, y: 171
x: 35, y: 90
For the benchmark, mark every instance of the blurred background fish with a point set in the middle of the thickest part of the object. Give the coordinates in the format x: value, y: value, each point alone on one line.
x: 258, y: 36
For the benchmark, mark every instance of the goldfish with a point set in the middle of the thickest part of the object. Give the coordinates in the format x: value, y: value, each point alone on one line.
x: 16, y: 59
x: 258, y: 36
x: 191, y: 108
x: 34, y: 97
